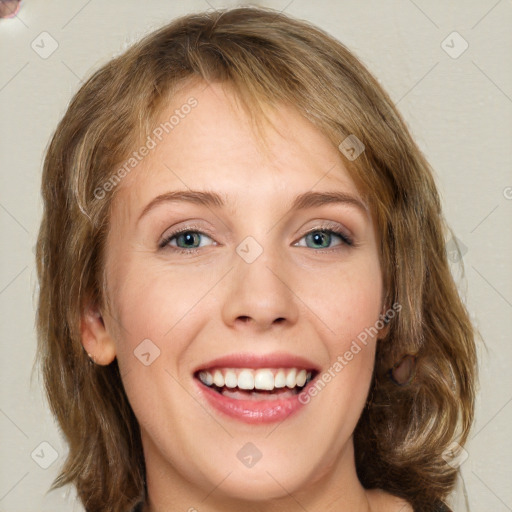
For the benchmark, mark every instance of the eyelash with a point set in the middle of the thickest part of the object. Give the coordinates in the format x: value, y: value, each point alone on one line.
x: 327, y: 228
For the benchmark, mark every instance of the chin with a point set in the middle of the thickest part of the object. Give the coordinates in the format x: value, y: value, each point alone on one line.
x: 266, y: 480
x: 258, y: 487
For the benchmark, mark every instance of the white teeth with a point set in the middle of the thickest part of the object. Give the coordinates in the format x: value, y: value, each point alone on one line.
x: 230, y: 379
x: 218, y: 378
x: 265, y: 379
x: 291, y: 378
x: 301, y: 378
x: 206, y: 378
x: 246, y: 379
x: 280, y: 379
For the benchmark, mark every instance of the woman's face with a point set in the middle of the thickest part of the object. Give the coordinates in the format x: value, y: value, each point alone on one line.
x: 272, y: 280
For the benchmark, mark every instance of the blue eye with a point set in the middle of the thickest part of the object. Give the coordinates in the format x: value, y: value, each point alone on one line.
x: 185, y: 240
x: 322, y: 239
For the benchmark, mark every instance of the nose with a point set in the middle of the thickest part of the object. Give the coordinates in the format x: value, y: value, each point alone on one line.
x: 259, y: 295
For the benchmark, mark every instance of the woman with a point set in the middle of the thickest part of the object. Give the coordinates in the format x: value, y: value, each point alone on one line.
x: 245, y: 301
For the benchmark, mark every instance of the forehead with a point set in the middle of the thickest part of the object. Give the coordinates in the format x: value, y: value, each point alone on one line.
x: 204, y: 139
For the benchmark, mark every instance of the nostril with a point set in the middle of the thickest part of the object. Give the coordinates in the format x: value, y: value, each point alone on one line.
x: 247, y: 319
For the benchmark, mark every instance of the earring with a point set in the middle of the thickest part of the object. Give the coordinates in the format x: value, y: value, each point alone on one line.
x: 404, y: 370
x: 91, y: 358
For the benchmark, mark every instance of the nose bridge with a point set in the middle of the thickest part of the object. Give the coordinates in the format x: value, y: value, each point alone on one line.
x: 258, y: 290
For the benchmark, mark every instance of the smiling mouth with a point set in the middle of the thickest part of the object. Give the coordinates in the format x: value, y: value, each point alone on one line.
x: 256, y: 384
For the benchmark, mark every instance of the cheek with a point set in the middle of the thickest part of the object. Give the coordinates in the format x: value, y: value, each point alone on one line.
x: 155, y: 301
x: 348, y: 302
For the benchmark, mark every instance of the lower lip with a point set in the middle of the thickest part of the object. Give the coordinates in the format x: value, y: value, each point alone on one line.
x: 253, y: 411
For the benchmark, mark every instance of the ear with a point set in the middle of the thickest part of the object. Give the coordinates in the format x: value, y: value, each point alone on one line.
x: 95, y: 338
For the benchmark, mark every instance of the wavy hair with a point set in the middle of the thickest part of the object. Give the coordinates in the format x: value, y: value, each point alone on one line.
x: 270, y: 59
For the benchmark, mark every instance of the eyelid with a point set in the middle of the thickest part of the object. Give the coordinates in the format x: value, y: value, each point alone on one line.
x: 165, y: 239
x: 326, y: 225
x: 334, y: 227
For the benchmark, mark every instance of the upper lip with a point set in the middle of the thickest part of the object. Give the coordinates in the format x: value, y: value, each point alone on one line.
x: 255, y: 361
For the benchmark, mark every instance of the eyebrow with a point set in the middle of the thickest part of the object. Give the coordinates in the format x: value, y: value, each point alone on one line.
x: 212, y: 199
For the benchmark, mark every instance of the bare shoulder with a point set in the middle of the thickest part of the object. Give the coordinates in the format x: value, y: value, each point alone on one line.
x: 382, y: 501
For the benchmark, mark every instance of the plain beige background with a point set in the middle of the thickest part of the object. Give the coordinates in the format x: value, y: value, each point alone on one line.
x: 456, y: 100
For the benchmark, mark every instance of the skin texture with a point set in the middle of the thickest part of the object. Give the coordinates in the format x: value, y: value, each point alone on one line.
x: 294, y: 298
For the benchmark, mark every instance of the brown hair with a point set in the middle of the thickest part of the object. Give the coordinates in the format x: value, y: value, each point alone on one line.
x: 270, y: 59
